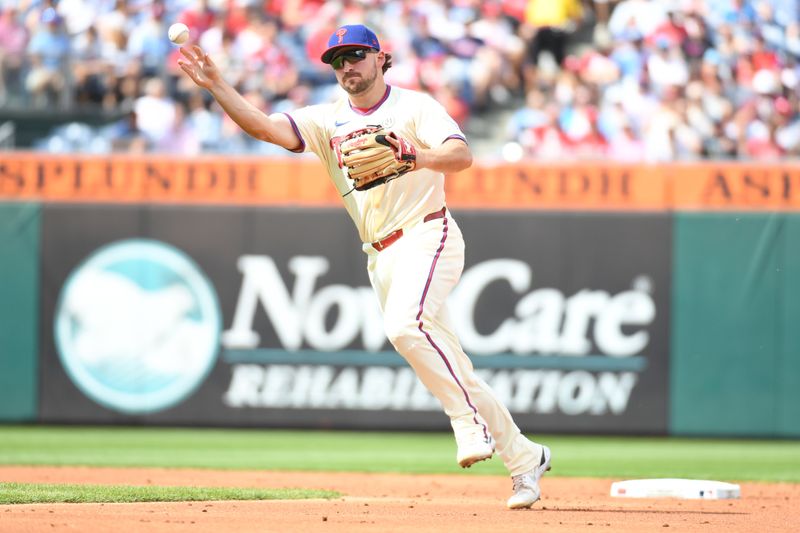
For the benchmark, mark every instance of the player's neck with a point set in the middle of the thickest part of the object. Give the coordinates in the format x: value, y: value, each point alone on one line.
x: 369, y: 98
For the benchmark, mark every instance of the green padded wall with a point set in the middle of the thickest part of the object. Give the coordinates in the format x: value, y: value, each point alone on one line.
x: 19, y: 311
x: 736, y: 324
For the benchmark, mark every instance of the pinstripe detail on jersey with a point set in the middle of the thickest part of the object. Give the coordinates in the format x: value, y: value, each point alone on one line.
x: 433, y: 343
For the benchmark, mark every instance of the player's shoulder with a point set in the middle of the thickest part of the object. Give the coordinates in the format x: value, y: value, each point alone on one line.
x: 322, y: 108
x: 321, y: 114
x: 409, y: 94
x: 416, y: 100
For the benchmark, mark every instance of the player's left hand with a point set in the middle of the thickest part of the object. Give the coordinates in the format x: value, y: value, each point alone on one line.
x: 404, y: 151
x: 373, y: 157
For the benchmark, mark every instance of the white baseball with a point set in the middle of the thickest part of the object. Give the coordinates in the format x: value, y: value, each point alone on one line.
x: 178, y: 33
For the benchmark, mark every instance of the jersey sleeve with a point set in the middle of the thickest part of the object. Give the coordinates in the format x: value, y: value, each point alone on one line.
x: 309, y: 126
x: 434, y: 126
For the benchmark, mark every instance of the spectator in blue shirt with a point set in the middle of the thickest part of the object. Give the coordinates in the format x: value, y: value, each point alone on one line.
x: 48, y: 50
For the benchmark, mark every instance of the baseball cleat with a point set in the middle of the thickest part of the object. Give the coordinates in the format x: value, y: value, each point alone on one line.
x: 526, y: 486
x: 474, y: 451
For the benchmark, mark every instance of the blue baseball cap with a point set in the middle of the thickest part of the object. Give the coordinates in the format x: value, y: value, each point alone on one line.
x: 352, y: 35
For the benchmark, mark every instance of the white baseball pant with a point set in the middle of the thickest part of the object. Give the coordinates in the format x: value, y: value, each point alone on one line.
x: 412, y: 278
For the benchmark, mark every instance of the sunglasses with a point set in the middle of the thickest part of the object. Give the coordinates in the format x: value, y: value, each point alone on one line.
x: 352, y: 56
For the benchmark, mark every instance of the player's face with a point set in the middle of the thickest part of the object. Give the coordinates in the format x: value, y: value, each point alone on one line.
x: 356, y: 69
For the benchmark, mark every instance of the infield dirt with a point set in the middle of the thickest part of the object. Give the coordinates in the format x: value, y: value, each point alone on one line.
x: 391, y: 503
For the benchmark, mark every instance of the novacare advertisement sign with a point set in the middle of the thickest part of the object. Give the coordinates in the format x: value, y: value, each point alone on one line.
x: 265, y: 317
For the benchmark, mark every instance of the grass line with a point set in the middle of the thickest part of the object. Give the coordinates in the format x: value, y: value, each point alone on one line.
x: 424, y: 453
x: 16, y: 493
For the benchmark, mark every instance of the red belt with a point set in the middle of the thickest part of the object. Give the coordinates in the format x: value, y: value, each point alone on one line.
x: 396, y: 234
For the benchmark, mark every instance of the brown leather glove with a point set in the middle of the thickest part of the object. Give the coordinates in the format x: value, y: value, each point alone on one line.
x: 372, y: 160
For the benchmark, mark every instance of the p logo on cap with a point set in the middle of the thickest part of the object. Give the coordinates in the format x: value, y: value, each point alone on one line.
x: 351, y: 35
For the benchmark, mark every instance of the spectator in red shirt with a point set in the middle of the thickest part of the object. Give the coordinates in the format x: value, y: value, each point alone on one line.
x: 672, y: 29
x: 763, y: 58
x: 198, y: 18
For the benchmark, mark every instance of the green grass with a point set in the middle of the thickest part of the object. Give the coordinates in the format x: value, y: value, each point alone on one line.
x: 613, y: 457
x: 46, y: 493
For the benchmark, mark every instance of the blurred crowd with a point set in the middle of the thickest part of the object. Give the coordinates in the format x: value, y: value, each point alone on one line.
x: 630, y: 80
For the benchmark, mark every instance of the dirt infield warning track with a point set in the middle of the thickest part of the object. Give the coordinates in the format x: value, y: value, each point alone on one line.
x: 391, y: 503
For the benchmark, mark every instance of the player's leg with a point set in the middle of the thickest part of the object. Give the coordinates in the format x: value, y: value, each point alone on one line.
x: 525, y: 460
x: 392, y: 268
x: 424, y: 271
x: 516, y: 451
x: 426, y: 258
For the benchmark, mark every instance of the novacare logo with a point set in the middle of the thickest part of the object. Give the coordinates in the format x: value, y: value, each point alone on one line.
x: 137, y: 326
x: 543, y: 321
x: 596, y: 343
x: 546, y: 321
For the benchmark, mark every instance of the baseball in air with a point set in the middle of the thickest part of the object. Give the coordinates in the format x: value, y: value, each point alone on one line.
x: 178, y: 33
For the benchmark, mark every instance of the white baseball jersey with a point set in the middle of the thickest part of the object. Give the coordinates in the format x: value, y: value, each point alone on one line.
x: 413, y: 277
x: 412, y: 115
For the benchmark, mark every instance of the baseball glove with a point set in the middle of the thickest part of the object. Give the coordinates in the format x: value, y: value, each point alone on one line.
x: 372, y: 160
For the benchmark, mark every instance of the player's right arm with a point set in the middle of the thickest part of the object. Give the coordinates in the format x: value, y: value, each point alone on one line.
x: 275, y: 129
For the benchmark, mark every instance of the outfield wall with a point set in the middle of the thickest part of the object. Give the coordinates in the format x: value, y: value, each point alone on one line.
x: 19, y: 311
x: 735, y: 336
x: 630, y: 300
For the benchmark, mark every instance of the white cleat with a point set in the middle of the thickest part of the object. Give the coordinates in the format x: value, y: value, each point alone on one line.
x: 526, y: 486
x: 474, y: 450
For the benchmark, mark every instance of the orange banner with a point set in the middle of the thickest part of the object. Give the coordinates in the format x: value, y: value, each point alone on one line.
x: 578, y: 186
x: 302, y: 181
x: 739, y: 186
x: 163, y: 179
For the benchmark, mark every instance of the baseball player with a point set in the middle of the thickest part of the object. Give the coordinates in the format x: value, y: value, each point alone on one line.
x: 386, y: 150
